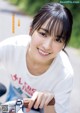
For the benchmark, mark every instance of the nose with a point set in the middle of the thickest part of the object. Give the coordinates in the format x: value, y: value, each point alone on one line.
x: 47, y: 44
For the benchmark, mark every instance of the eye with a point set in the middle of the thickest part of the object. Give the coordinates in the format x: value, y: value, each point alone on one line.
x: 43, y: 34
x: 59, y: 40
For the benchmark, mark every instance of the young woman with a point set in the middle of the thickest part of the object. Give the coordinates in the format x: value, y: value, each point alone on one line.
x: 37, y: 63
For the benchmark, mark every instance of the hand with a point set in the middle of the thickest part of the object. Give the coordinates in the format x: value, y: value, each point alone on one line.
x: 12, y: 111
x: 38, y: 100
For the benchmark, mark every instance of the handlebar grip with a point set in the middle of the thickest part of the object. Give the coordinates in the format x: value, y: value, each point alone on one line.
x: 52, y: 102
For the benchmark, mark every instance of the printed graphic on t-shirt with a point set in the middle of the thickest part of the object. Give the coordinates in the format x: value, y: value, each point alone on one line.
x: 22, y: 86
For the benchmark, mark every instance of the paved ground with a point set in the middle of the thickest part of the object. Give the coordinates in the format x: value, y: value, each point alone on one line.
x: 6, y: 11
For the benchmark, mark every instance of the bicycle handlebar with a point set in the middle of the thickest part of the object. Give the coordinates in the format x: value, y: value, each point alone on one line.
x: 17, y: 105
x: 13, y: 105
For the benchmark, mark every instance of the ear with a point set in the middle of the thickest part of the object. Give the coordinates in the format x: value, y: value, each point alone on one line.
x: 30, y: 31
x: 63, y: 47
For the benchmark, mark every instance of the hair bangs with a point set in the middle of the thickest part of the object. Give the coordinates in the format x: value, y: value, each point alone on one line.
x: 55, y: 28
x: 38, y: 22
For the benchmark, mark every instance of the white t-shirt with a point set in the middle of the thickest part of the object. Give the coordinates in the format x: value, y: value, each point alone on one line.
x: 58, y: 79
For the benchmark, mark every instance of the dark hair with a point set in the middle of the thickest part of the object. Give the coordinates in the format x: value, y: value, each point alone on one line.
x: 60, y: 21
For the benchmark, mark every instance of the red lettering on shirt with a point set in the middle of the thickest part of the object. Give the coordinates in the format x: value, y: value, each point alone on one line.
x: 24, y: 86
x: 14, y: 77
x: 20, y: 82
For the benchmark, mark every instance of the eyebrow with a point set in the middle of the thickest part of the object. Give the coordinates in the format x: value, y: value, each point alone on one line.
x: 48, y: 31
x: 45, y: 30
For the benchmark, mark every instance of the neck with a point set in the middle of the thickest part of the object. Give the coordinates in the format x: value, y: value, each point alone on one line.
x: 35, y: 67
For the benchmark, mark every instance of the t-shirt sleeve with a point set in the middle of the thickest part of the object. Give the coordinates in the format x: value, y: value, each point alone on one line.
x: 5, y: 49
x: 63, y: 94
x: 11, y: 49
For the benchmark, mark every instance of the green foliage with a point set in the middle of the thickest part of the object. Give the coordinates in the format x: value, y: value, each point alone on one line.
x: 31, y: 7
x: 75, y: 40
x: 15, y: 2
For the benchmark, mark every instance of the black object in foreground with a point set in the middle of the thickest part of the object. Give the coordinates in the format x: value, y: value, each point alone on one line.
x: 2, y: 89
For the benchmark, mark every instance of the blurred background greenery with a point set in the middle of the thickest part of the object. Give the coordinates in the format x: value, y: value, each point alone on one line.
x: 30, y: 7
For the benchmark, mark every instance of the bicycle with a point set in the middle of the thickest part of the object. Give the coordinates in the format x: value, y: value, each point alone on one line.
x: 17, y: 106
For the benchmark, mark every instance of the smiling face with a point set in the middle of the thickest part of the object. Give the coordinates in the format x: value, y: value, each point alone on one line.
x: 44, y: 47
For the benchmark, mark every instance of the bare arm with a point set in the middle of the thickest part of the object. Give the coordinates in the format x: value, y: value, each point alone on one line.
x: 50, y: 108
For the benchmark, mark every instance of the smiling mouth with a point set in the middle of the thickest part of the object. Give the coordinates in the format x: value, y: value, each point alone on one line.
x: 43, y: 53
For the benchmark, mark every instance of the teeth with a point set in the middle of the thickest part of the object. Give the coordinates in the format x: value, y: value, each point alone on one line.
x: 43, y: 53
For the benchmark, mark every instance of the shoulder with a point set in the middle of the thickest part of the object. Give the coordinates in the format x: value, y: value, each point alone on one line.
x: 65, y: 74
x: 65, y: 62
x: 16, y: 40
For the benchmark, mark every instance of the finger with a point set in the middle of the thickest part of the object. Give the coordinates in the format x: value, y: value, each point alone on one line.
x: 26, y: 102
x: 27, y: 110
x: 32, y: 100
x: 38, y: 101
x: 12, y: 111
x: 43, y: 102
x: 48, y: 100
